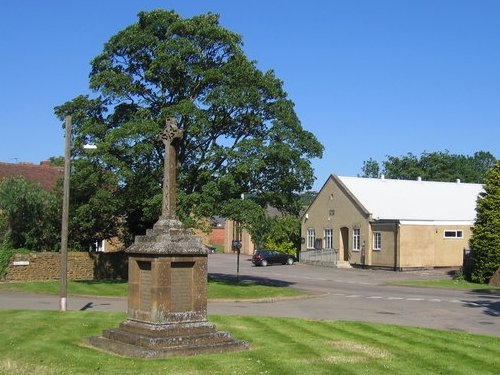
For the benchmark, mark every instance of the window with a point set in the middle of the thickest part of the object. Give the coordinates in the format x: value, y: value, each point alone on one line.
x: 356, y: 237
x: 453, y: 234
x: 311, y: 238
x: 328, y: 238
x: 377, y: 241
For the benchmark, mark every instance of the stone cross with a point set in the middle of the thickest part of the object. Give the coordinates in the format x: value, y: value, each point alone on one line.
x: 170, y: 137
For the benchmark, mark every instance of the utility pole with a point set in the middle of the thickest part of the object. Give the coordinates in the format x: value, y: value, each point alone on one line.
x: 65, y: 216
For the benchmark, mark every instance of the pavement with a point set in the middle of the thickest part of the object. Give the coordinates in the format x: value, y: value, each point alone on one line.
x: 334, y: 294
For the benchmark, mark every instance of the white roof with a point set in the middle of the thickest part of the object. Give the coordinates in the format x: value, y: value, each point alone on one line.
x: 415, y: 200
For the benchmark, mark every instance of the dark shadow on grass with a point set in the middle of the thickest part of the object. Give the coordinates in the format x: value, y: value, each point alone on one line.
x: 93, y: 282
x: 91, y: 305
x: 248, y: 280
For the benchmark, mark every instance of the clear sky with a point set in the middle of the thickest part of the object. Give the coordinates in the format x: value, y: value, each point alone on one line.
x: 369, y: 78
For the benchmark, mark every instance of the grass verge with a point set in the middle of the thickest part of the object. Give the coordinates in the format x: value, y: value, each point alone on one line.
x: 49, y: 342
x: 217, y: 289
x: 450, y: 284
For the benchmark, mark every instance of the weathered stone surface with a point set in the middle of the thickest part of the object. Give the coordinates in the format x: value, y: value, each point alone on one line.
x: 167, y: 237
x: 167, y: 295
x: 495, y: 279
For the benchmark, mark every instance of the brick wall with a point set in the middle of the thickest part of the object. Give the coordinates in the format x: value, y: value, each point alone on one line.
x: 81, y: 266
x: 217, y: 236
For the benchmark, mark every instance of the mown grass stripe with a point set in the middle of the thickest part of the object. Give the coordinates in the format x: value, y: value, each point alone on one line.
x: 429, y: 356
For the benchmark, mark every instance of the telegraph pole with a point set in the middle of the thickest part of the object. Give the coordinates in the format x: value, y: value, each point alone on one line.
x: 65, y: 216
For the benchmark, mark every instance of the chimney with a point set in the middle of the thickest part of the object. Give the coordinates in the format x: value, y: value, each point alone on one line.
x: 419, y: 179
x: 458, y: 181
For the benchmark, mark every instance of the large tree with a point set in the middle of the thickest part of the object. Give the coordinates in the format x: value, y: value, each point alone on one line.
x: 241, y: 133
x: 485, y: 240
x: 433, y: 166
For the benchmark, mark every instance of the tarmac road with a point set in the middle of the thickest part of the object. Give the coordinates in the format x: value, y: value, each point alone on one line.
x: 337, y: 294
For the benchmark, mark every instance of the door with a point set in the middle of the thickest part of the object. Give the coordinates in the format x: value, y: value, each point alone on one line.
x: 344, y: 244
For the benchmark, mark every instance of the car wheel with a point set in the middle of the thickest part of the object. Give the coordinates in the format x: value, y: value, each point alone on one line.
x: 263, y: 263
x: 289, y: 261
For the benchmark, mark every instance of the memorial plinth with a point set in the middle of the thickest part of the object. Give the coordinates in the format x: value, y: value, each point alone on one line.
x: 167, y: 295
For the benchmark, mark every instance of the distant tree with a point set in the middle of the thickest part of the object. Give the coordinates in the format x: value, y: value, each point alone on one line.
x: 57, y: 161
x: 433, y: 166
x: 485, y: 240
x: 307, y: 197
x: 370, y: 169
x: 241, y: 133
x: 30, y: 217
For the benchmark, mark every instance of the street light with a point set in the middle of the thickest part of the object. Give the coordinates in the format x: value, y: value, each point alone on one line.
x: 65, y: 214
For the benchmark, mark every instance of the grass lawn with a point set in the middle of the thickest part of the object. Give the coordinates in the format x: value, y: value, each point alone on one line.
x: 217, y: 289
x: 453, y: 284
x: 49, y: 342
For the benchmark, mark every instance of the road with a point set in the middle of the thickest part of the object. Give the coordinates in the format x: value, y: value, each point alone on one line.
x: 336, y: 294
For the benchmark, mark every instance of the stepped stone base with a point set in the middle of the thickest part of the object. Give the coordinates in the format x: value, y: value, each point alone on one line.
x: 146, y: 340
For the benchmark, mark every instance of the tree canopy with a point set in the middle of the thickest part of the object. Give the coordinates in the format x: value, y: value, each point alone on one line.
x: 485, y: 241
x: 30, y: 216
x: 433, y: 166
x: 241, y: 133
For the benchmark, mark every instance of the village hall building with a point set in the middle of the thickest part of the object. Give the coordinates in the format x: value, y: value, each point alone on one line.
x: 386, y: 223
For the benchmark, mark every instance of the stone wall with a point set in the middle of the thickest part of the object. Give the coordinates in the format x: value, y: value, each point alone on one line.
x: 81, y: 266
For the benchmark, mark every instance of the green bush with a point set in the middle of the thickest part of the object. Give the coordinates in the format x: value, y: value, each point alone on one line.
x: 6, y: 254
x: 29, y: 215
x: 286, y: 246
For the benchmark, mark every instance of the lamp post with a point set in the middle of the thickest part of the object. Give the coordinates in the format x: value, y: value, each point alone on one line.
x: 65, y: 214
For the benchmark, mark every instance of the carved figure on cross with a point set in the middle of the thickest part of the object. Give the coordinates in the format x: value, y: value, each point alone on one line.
x: 170, y: 136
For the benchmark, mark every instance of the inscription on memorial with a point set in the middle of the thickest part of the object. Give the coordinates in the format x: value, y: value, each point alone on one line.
x: 182, y: 286
x: 145, y: 282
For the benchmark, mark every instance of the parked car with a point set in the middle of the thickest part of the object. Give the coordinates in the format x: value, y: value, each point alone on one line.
x: 265, y: 257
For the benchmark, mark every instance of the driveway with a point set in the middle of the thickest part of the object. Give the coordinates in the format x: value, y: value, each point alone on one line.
x: 336, y: 294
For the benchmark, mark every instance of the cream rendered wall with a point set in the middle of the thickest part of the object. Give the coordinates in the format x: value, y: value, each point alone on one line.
x: 417, y: 246
x: 425, y: 246
x: 449, y: 251
x: 333, y: 208
x: 385, y: 256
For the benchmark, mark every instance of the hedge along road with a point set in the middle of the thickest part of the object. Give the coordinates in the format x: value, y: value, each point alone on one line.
x: 336, y: 294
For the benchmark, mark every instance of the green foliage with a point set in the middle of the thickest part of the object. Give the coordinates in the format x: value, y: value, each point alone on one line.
x: 287, y: 247
x: 307, y: 197
x: 283, y: 234
x: 29, y: 215
x: 241, y: 133
x: 57, y: 161
x: 433, y: 166
x: 485, y: 240
x: 6, y: 254
x: 371, y: 169
x: 93, y: 204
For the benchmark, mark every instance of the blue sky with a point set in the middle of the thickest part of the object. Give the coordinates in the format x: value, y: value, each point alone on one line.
x: 369, y: 78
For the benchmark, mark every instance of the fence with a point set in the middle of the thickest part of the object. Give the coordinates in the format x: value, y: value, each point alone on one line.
x: 324, y: 257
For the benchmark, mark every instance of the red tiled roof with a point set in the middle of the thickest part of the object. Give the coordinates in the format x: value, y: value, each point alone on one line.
x: 43, y: 174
